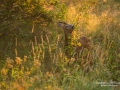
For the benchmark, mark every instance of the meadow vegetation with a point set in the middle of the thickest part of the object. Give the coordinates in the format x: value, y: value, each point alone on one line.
x: 32, y: 55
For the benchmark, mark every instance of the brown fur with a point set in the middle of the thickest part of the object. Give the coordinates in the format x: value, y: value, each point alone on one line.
x: 83, y: 40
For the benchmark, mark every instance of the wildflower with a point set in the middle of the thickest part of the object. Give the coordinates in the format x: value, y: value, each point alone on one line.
x: 37, y: 63
x: 72, y: 43
x: 66, y: 60
x: 4, y: 71
x: 64, y: 69
x: 49, y: 87
x: 72, y: 60
x: 18, y: 60
x: 9, y: 65
x: 28, y: 71
x: 79, y: 44
x: 74, y: 35
x: 10, y: 61
x: 25, y: 58
x: 48, y: 74
x: 60, y: 55
x: 22, y: 68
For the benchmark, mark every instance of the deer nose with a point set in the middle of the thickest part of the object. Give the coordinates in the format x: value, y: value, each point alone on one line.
x: 72, y: 26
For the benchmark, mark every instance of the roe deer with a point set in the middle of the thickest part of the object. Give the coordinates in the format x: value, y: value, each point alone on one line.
x: 83, y: 40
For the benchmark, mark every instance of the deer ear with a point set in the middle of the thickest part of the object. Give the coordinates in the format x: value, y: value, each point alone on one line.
x: 59, y: 24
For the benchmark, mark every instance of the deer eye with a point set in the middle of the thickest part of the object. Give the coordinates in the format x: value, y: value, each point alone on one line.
x: 69, y: 27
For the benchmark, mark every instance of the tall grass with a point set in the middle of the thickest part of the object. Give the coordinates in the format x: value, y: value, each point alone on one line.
x: 40, y: 63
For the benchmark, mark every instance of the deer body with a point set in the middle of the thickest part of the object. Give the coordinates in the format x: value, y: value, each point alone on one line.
x: 83, y: 40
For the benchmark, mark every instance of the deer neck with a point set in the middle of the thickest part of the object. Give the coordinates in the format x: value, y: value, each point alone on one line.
x: 68, y: 45
x: 67, y: 39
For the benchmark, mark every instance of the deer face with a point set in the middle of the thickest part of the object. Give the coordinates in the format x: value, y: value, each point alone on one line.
x: 68, y: 28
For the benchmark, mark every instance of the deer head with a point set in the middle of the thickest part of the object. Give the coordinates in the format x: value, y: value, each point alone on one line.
x: 68, y: 28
